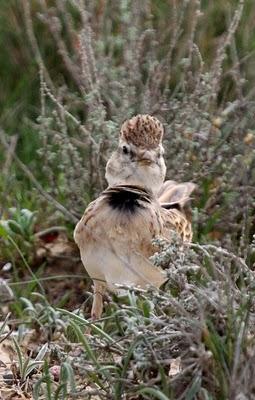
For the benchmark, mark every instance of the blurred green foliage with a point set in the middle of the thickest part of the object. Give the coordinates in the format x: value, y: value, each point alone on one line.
x: 19, y: 84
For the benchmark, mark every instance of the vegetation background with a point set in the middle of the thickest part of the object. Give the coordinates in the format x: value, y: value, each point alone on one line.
x: 71, y: 72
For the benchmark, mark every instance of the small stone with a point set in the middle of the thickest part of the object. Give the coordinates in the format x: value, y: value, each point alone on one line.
x: 249, y: 138
x: 55, y: 372
x: 8, y: 377
x: 217, y: 122
x: 175, y: 367
x: 7, y: 267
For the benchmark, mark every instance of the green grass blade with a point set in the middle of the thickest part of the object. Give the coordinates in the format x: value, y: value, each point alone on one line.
x: 156, y: 393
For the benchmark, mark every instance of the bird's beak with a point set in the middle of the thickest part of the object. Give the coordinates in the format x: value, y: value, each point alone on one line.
x: 145, y: 161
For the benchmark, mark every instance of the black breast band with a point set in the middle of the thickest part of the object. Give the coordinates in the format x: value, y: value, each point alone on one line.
x: 127, y: 198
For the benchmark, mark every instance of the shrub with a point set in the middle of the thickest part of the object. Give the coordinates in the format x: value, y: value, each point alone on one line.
x: 115, y: 59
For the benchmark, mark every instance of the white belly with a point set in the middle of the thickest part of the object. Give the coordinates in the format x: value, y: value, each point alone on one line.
x: 121, y: 269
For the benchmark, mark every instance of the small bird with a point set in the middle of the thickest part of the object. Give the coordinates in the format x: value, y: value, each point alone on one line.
x: 116, y: 231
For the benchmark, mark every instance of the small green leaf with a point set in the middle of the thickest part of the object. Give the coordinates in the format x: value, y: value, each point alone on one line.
x: 18, y: 350
x: 28, y: 304
x: 153, y: 392
x: 67, y: 375
x: 4, y: 323
x: 146, y: 308
x: 84, y: 342
x: 41, y: 354
x: 30, y: 367
x: 27, y: 213
x: 3, y: 230
x: 15, y: 227
x: 194, y: 388
x: 82, y: 321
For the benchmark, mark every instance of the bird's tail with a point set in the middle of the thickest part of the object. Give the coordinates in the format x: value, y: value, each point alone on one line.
x: 174, y: 194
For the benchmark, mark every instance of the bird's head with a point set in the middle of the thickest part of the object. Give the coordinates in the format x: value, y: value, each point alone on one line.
x: 138, y: 159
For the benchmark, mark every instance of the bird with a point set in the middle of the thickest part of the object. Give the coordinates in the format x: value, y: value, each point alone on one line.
x: 116, y: 230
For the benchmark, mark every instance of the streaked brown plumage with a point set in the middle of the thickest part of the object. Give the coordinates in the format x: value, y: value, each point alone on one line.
x: 116, y: 231
x: 143, y: 131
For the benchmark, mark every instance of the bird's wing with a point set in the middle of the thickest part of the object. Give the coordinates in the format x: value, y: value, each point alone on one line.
x: 80, y: 231
x: 174, y: 219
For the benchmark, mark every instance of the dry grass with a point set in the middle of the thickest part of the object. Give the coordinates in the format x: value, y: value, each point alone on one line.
x: 99, y: 64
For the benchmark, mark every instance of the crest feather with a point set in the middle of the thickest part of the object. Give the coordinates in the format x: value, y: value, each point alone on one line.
x: 143, y: 131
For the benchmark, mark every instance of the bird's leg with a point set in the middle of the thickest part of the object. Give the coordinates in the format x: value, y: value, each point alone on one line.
x: 97, y: 306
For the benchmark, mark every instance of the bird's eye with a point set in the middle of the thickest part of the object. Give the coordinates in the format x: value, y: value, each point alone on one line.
x: 125, y: 149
